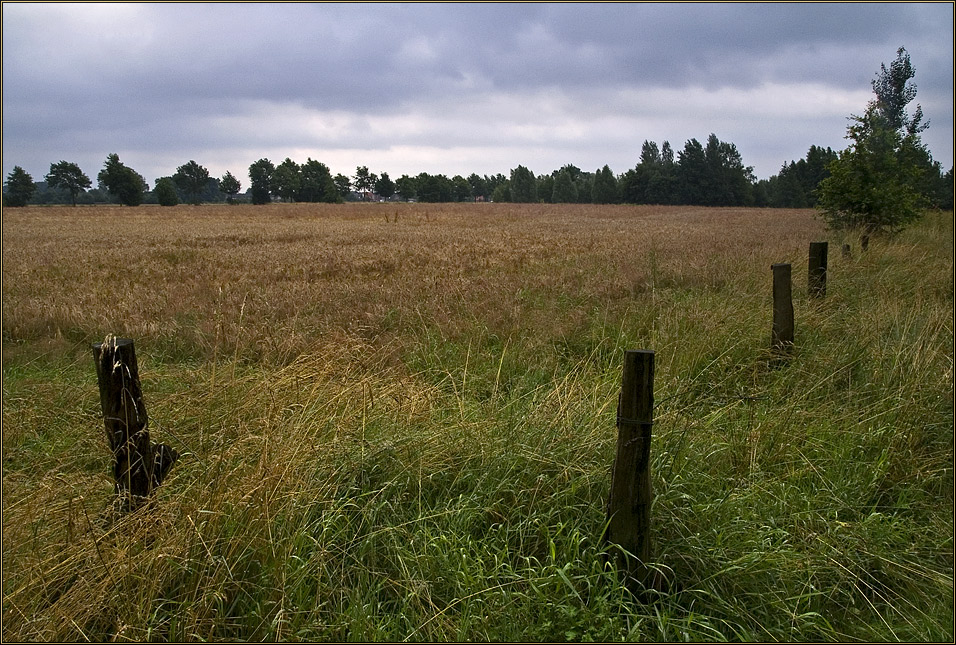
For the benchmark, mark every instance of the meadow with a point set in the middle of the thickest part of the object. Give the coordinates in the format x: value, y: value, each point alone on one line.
x: 396, y: 422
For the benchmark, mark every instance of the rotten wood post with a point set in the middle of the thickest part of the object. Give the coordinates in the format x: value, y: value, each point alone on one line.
x: 817, y: 273
x: 781, y: 341
x: 138, y: 465
x: 629, y: 504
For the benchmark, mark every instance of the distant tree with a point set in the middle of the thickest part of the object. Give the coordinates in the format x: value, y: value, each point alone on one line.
x: 316, y: 183
x: 585, y: 185
x: 796, y: 184
x: 564, y: 191
x: 191, y: 178
x: 364, y: 181
x: 523, y: 186
x: 502, y: 192
x: 944, y: 190
x: 286, y: 180
x: 633, y: 186
x: 406, y: 187
x: 230, y: 186
x: 479, y: 187
x: 692, y: 173
x: 385, y: 187
x: 260, y: 179
x: 19, y: 188
x: 787, y: 189
x: 728, y: 182
x: 212, y: 193
x: 46, y: 194
x: 492, y: 182
x: 762, y: 193
x: 635, y: 183
x: 818, y: 160
x: 667, y: 153
x: 879, y: 182
x: 604, y: 190
x: 121, y: 181
x: 708, y: 176
x: 434, y: 188
x: 165, y: 192
x: 344, y: 185
x: 544, y: 187
x: 69, y: 176
x: 663, y: 189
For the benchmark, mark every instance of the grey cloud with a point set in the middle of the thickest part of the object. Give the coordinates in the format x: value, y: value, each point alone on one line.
x: 147, y: 75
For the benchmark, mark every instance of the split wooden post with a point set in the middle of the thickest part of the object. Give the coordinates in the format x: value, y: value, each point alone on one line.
x: 782, y: 336
x: 139, y: 466
x: 817, y: 274
x: 629, y: 504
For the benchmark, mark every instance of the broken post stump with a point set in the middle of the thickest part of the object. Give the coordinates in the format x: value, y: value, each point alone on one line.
x: 629, y: 504
x: 817, y: 270
x: 139, y: 466
x: 781, y: 341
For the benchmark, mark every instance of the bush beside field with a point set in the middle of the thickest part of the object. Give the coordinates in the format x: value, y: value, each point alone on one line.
x: 397, y: 422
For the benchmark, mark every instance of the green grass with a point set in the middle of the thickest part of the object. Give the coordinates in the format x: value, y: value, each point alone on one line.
x: 448, y: 481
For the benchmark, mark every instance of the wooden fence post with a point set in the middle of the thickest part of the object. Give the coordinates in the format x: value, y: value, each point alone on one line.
x: 782, y: 335
x: 864, y: 242
x: 629, y: 503
x: 817, y: 274
x: 846, y: 251
x: 139, y: 466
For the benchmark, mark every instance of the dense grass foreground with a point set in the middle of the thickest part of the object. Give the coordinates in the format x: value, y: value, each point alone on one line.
x: 398, y: 424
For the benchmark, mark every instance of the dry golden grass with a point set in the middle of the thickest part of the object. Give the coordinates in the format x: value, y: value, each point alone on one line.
x: 268, y: 281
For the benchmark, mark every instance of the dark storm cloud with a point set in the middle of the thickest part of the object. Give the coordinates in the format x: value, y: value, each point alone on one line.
x: 238, y: 81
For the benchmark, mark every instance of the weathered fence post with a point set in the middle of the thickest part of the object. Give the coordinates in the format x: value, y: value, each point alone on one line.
x: 817, y: 274
x: 864, y: 242
x: 139, y: 466
x: 629, y: 504
x: 782, y: 336
x: 846, y: 251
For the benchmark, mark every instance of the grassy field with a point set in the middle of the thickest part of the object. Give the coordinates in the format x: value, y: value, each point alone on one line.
x: 397, y: 423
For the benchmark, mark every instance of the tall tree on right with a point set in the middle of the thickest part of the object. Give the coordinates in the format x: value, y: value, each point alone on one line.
x: 876, y: 184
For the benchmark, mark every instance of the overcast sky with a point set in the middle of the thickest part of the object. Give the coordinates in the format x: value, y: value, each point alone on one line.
x: 452, y: 88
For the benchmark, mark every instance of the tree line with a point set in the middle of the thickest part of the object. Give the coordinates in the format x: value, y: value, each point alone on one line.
x: 711, y: 174
x: 886, y: 157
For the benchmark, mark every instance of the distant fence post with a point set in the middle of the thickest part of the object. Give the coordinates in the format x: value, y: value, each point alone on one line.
x: 846, y: 251
x: 138, y: 465
x: 782, y: 335
x: 629, y: 504
x: 864, y: 242
x: 817, y: 274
